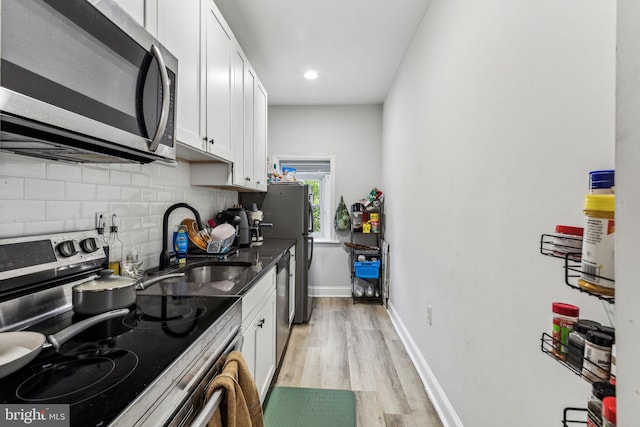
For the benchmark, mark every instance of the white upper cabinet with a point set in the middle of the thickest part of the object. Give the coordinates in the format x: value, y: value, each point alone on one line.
x: 217, y: 81
x: 179, y: 31
x: 198, y: 36
x: 135, y: 8
x: 260, y: 137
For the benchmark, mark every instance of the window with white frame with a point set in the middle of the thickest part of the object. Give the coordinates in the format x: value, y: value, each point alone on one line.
x: 316, y: 170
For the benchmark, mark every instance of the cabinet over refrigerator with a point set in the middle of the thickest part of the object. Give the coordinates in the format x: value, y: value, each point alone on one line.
x: 287, y: 206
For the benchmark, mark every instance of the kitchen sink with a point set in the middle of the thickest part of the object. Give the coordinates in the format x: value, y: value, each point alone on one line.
x: 207, y: 278
x: 212, y: 272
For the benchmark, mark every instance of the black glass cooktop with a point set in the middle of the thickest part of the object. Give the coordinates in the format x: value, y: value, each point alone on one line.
x: 102, y: 370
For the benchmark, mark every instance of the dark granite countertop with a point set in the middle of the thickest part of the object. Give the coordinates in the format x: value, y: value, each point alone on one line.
x: 213, y: 277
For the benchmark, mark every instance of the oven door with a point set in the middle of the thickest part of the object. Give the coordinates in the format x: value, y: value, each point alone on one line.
x: 196, y: 411
x: 86, y: 69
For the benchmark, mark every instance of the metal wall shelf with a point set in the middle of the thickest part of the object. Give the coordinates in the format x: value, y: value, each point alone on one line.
x: 574, y: 417
x: 572, y: 264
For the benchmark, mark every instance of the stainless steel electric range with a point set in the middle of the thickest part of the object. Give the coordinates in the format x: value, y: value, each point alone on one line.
x: 149, y: 367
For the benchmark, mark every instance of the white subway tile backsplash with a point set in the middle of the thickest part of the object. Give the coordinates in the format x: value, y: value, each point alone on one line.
x: 62, y: 210
x: 22, y: 210
x: 11, y: 188
x: 44, y: 227
x: 108, y: 192
x: 78, y: 191
x: 41, y: 197
x: 131, y: 167
x: 93, y: 175
x: 41, y: 189
x: 167, y: 196
x: 120, y: 178
x: 138, y: 180
x: 148, y: 195
x: 64, y: 172
x: 133, y: 194
x: 21, y: 166
x: 11, y: 230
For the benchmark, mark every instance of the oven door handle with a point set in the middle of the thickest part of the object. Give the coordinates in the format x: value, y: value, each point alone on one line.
x: 204, y: 416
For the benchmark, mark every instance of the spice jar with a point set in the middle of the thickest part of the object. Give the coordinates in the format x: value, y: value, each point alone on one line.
x: 564, y: 316
x: 576, y: 341
x: 568, y: 239
x: 599, y: 390
x: 609, y: 416
x: 602, y: 182
x: 597, y: 246
x: 597, y: 356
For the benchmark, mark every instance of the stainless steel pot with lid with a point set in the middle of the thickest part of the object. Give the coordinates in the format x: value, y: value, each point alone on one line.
x: 109, y: 292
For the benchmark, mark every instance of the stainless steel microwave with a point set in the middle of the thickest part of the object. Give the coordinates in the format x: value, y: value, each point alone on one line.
x: 82, y: 81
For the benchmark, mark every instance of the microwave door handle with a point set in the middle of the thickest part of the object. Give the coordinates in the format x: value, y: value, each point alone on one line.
x: 164, y: 113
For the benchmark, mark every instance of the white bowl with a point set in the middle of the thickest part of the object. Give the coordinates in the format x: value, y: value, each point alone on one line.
x: 222, y: 232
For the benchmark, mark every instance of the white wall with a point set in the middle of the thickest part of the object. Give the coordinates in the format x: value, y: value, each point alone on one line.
x: 498, y: 112
x: 627, y: 209
x: 41, y: 196
x: 354, y: 135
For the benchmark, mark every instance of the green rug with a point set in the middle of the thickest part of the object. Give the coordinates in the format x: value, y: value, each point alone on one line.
x: 310, y: 407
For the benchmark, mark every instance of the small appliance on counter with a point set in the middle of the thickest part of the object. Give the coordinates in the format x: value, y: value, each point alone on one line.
x: 237, y: 216
x: 256, y: 218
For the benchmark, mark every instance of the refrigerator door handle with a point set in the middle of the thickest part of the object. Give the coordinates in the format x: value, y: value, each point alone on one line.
x: 310, y: 239
x: 310, y: 228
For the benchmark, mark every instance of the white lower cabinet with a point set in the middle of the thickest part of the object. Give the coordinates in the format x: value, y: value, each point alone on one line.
x: 259, y: 331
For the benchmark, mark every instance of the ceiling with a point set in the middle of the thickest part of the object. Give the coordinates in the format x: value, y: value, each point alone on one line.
x: 355, y: 46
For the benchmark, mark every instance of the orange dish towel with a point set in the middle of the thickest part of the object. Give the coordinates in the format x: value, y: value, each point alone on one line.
x: 240, y: 405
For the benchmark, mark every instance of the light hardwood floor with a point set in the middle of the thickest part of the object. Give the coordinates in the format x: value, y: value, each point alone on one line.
x: 355, y: 347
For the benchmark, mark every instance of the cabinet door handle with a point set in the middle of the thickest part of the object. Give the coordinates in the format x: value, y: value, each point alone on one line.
x: 212, y: 141
x: 247, y: 178
x: 261, y: 323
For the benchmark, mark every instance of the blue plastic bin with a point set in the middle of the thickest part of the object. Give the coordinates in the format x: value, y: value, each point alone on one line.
x: 367, y: 269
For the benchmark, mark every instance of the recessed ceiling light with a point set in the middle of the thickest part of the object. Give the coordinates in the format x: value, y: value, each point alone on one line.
x: 311, y: 75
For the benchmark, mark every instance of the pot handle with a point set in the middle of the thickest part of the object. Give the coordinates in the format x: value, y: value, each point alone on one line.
x: 142, y: 286
x: 66, y: 334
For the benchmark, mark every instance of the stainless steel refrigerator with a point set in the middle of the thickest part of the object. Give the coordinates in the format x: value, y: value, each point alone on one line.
x: 287, y: 206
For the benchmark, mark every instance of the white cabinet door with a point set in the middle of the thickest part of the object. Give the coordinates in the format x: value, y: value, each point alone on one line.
x: 260, y: 138
x: 249, y: 101
x: 259, y: 330
x: 217, y: 81
x: 179, y: 31
x: 135, y: 8
x: 266, y: 345
x: 238, y: 63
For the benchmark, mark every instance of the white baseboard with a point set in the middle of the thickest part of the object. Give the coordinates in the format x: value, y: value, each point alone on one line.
x: 330, y: 291
x: 444, y: 408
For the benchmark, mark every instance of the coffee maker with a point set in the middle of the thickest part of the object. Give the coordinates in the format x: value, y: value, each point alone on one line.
x: 256, y: 218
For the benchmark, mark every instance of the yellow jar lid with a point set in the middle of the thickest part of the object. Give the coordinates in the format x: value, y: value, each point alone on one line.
x: 600, y: 202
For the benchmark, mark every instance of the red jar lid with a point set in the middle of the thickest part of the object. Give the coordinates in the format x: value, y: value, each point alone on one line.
x: 609, y: 409
x: 565, y: 309
x: 570, y: 230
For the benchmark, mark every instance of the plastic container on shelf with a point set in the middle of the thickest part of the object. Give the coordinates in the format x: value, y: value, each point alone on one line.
x: 576, y: 341
x: 367, y: 269
x: 599, y: 390
x: 567, y: 239
x: 564, y: 316
x: 609, y: 412
x: 597, y: 356
x: 602, y: 182
x: 597, y: 246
